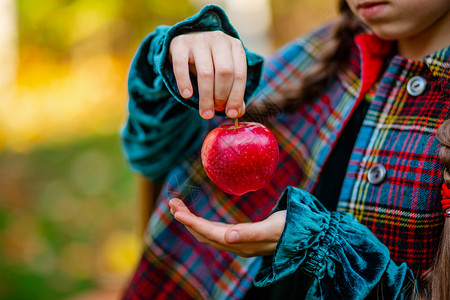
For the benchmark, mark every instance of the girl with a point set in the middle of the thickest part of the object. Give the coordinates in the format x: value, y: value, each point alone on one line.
x: 358, y: 109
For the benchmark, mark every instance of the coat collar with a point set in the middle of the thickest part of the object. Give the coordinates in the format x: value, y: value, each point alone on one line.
x: 439, y: 65
x: 374, y: 52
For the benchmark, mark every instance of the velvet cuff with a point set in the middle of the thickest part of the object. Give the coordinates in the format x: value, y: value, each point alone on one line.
x: 345, y: 258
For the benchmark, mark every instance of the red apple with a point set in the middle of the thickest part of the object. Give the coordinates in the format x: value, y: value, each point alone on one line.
x: 240, y: 160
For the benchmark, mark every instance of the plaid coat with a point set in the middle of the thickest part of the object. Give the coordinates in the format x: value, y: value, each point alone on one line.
x: 400, y: 215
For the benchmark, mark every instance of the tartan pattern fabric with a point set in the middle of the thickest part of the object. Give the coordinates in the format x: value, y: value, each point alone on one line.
x: 398, y: 132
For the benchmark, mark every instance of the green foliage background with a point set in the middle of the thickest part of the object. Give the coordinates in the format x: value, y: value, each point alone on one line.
x: 58, y: 25
x: 68, y: 200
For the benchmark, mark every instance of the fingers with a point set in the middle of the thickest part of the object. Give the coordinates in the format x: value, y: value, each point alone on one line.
x: 223, y: 73
x: 176, y: 204
x: 269, y: 230
x: 221, y: 69
x: 197, y: 225
x: 235, y: 104
x: 205, y: 78
x: 245, y: 239
x: 204, y: 231
x: 244, y: 233
x: 207, y: 229
x: 180, y: 65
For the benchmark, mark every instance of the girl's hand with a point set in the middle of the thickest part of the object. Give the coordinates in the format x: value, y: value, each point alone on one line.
x: 244, y: 239
x: 220, y: 64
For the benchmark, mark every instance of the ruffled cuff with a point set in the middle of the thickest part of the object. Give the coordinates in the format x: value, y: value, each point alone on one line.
x: 210, y: 18
x: 308, y: 232
x: 344, y: 257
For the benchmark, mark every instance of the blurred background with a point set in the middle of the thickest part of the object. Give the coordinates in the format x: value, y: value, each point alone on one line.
x: 68, y: 211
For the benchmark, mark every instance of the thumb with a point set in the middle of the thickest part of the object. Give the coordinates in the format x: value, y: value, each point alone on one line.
x: 243, y: 233
x: 268, y: 230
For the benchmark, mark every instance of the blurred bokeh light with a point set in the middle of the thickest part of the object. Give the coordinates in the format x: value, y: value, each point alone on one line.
x: 67, y: 200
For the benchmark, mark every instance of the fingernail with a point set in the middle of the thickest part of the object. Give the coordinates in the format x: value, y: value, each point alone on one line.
x: 175, y: 201
x: 232, y: 113
x: 186, y: 93
x: 233, y: 236
x: 208, y: 114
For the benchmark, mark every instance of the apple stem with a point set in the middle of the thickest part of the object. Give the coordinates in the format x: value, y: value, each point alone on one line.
x: 236, y: 123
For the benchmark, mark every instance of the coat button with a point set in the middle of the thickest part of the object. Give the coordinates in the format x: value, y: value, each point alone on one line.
x: 377, y: 174
x: 416, y: 85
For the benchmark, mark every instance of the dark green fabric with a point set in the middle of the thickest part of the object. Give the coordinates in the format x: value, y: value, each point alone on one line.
x: 163, y: 127
x: 346, y: 260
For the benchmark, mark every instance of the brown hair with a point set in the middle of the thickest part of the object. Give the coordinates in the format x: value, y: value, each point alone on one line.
x: 435, y: 282
x: 333, y: 55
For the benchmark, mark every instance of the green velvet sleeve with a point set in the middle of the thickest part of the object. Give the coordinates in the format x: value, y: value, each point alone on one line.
x: 162, y: 127
x: 346, y: 260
